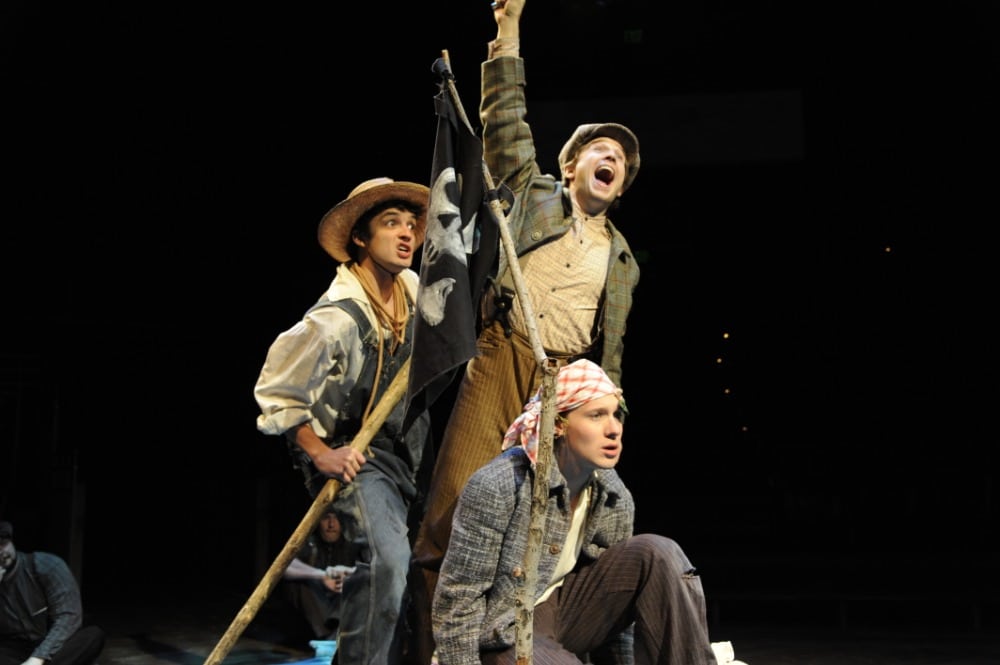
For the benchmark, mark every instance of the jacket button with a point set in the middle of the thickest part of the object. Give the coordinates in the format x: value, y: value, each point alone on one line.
x: 517, y: 572
x: 554, y: 549
x: 536, y: 235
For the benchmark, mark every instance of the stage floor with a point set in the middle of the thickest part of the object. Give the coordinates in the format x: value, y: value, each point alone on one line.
x: 187, y: 632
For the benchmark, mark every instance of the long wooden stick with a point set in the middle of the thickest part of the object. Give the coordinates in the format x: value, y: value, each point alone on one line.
x: 524, y: 616
x: 267, y: 583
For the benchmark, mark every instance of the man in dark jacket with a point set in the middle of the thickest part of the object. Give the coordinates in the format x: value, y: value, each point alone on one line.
x: 41, y: 614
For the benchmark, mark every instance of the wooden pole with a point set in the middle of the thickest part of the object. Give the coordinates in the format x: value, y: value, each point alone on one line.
x: 326, y: 495
x: 524, y: 616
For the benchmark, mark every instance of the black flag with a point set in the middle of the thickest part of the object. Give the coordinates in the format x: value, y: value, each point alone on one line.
x: 459, y: 253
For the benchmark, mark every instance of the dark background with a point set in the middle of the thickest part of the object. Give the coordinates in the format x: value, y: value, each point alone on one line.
x: 819, y: 184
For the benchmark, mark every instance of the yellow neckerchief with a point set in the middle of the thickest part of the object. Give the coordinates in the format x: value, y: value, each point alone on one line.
x: 396, y: 321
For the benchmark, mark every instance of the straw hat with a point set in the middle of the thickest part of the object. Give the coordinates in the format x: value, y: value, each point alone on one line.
x: 335, y: 227
x: 584, y: 134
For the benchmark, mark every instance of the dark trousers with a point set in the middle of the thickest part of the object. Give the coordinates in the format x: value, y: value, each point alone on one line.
x: 82, y: 648
x: 646, y: 582
x: 319, y: 606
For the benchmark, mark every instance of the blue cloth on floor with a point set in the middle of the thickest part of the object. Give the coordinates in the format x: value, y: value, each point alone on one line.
x: 324, y: 653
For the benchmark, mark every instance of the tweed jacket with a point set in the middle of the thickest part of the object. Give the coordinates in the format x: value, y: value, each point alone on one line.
x: 482, y: 572
x: 542, y: 210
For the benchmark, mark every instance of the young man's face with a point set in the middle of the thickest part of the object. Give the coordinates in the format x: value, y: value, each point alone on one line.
x: 393, y: 241
x: 593, y: 433
x: 329, y: 528
x: 597, y: 176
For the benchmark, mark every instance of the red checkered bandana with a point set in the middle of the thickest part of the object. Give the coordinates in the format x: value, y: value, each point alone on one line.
x: 576, y: 384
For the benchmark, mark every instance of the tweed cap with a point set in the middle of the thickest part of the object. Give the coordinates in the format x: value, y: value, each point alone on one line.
x: 584, y: 134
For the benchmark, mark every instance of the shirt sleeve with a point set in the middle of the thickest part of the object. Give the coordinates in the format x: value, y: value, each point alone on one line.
x: 307, y: 365
x: 502, y: 47
x: 65, y: 609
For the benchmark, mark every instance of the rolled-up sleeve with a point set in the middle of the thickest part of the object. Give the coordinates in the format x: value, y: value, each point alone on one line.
x: 305, y: 374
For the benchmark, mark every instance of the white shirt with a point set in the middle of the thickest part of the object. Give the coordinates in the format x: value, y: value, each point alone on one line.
x: 312, y: 367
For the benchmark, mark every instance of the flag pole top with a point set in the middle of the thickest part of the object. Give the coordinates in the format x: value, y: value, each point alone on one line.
x: 442, y: 67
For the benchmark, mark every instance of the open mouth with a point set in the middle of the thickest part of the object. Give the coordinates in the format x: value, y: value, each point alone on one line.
x: 605, y: 174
